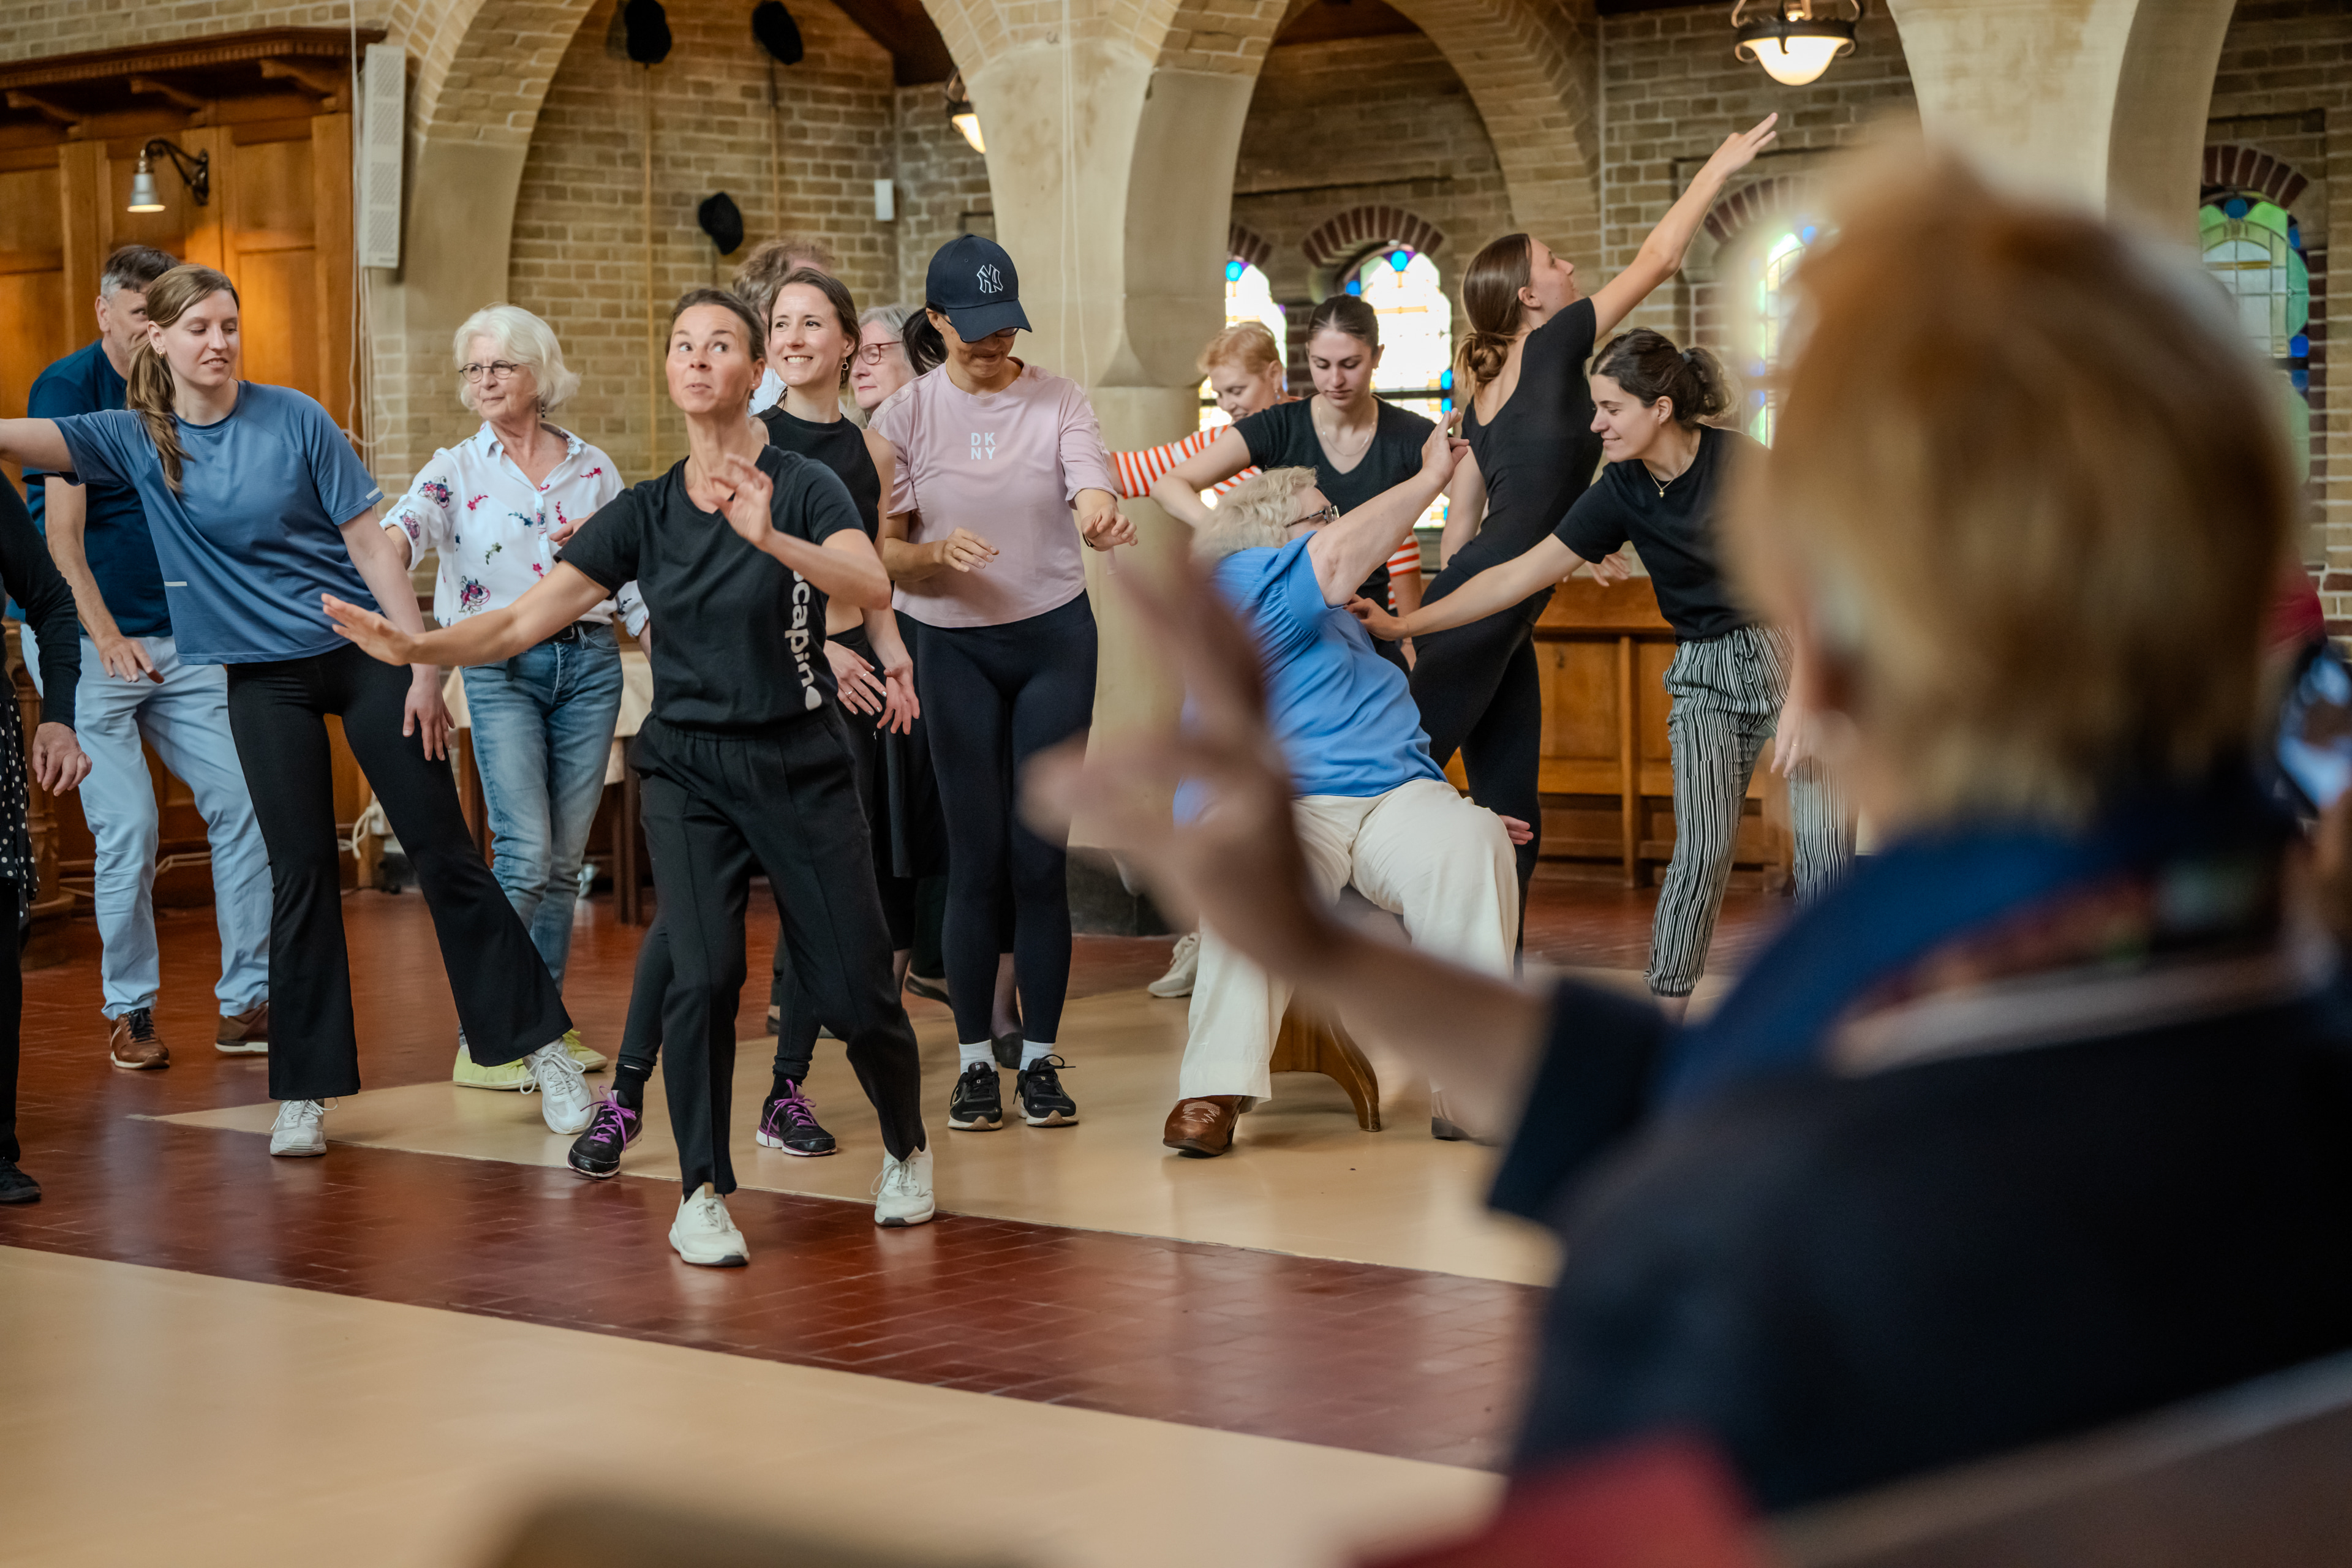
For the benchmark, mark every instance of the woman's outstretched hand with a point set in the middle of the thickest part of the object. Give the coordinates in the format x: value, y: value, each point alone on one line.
x: 1441, y: 452
x: 745, y: 496
x: 1611, y: 570
x: 1239, y: 864
x: 1377, y: 619
x: 378, y: 636
x: 1739, y: 148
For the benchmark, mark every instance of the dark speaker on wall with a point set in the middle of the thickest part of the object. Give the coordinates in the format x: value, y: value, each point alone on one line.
x: 722, y: 220
x: 649, y: 30
x: 777, y: 32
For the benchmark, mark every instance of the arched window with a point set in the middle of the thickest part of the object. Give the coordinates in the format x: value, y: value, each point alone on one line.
x: 1774, y: 266
x: 1402, y: 286
x: 1248, y: 298
x: 2255, y: 248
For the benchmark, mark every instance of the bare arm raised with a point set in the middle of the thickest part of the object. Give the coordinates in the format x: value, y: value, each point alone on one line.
x: 1661, y: 254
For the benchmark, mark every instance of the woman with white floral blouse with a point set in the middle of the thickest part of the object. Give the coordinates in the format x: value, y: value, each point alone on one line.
x: 497, y: 508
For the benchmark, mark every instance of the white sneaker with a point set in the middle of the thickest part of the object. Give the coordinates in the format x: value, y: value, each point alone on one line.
x: 703, y: 1234
x: 564, y: 1102
x: 1182, y: 964
x: 300, y: 1130
x: 902, y: 1192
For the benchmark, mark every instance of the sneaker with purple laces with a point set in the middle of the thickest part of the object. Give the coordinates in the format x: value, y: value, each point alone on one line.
x: 612, y: 1128
x: 788, y: 1122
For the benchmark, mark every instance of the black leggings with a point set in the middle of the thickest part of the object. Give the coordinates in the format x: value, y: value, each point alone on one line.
x: 12, y: 1011
x: 717, y: 809
x: 993, y: 697
x: 507, y: 1004
x: 1480, y: 693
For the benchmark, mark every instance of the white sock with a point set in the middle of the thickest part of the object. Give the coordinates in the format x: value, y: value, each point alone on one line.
x: 1031, y: 1053
x: 974, y: 1055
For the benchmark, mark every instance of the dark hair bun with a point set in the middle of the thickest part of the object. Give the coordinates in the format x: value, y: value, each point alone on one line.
x: 1650, y: 366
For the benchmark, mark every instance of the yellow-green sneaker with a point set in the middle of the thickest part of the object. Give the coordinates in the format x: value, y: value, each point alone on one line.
x: 511, y: 1077
x: 590, y: 1061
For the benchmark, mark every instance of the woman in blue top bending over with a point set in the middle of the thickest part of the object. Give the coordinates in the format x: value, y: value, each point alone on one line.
x: 259, y: 506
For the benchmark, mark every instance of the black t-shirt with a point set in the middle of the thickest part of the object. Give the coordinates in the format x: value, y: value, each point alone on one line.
x: 1283, y: 436
x: 840, y: 446
x: 1539, y: 452
x: 1846, y: 1280
x: 1675, y: 530
x: 739, y: 637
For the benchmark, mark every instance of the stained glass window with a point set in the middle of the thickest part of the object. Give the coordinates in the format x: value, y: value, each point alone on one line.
x: 2255, y: 249
x: 1248, y: 298
x: 1416, y: 372
x: 1773, y: 269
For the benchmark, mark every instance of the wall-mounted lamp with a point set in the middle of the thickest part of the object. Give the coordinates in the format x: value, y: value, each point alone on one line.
x: 962, y: 115
x: 1795, y: 41
x: 196, y: 173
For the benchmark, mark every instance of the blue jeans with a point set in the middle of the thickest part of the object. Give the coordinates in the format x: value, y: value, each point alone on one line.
x: 184, y: 716
x: 542, y: 726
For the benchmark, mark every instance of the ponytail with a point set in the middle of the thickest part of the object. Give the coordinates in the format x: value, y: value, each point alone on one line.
x: 1648, y: 365
x: 926, y: 350
x: 1490, y: 303
x: 152, y: 389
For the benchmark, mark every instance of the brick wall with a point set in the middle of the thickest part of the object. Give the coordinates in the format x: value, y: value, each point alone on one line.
x: 2285, y: 89
x: 1381, y: 121
x: 36, y: 29
x: 942, y: 186
x: 579, y: 256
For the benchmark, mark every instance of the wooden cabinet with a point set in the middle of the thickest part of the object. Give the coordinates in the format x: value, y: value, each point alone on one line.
x: 1608, y: 775
x: 271, y: 113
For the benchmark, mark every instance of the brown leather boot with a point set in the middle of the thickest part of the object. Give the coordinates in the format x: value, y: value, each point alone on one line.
x: 1203, y: 1128
x: 131, y: 1042
x: 245, y: 1034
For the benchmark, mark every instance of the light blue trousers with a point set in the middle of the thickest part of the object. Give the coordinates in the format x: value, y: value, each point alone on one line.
x: 185, y: 717
x: 542, y: 724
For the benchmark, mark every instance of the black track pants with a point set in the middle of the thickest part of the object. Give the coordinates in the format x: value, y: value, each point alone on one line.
x: 1481, y: 693
x: 12, y: 1012
x: 993, y: 698
x: 278, y: 711
x: 717, y: 809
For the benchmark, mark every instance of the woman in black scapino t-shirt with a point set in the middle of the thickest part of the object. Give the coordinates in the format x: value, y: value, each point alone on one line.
x: 1662, y: 489
x: 1527, y: 417
x: 1359, y: 444
x: 738, y: 550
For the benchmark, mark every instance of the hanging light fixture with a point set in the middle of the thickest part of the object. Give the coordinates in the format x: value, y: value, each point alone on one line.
x: 196, y: 173
x: 1795, y: 41
x: 962, y: 115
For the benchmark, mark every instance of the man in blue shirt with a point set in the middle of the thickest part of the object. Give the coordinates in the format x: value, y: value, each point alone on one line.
x: 134, y: 686
x: 1373, y: 811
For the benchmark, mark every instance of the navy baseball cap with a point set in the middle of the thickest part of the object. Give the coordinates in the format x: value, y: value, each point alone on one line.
x: 972, y: 279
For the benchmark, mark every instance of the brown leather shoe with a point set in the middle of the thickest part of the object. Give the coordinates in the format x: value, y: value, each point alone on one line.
x: 1203, y: 1128
x: 131, y: 1042
x: 245, y: 1034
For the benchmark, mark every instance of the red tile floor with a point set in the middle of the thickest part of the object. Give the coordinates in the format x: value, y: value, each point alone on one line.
x: 1390, y: 1361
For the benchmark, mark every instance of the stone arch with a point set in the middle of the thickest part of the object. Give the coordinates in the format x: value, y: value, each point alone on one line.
x: 1247, y: 243
x: 1755, y: 201
x: 2231, y: 167
x: 1346, y: 235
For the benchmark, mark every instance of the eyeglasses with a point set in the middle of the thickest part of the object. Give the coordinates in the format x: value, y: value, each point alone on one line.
x: 873, y: 353
x: 1330, y: 513
x: 497, y: 370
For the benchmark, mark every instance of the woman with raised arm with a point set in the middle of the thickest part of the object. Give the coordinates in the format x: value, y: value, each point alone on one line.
x: 1359, y: 444
x: 1528, y: 415
x: 812, y: 339
x: 738, y: 551
x: 1667, y: 478
x: 259, y: 507
x: 992, y: 458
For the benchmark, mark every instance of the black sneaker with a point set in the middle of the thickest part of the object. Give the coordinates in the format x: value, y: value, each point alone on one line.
x: 923, y: 985
x: 788, y: 1122
x: 612, y: 1128
x: 1043, y: 1103
x: 16, y: 1188
x: 1007, y: 1047
x: 977, y: 1103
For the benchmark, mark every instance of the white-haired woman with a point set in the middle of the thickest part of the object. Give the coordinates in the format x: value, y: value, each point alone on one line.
x: 497, y: 507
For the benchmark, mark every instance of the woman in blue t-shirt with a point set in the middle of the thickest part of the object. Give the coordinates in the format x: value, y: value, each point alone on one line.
x: 258, y: 506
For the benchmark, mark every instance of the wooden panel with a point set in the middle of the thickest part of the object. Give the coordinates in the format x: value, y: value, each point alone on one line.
x: 330, y: 186
x: 1579, y: 714
x: 271, y: 201
x: 81, y: 176
x: 1585, y: 604
x: 32, y: 286
x: 280, y: 290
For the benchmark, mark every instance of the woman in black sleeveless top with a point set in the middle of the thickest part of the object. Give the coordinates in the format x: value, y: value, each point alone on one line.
x: 1528, y: 415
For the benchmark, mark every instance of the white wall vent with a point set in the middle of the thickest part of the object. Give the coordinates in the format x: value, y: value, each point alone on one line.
x: 382, y: 129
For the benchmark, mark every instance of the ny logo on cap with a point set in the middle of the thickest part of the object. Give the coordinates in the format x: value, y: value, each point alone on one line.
x: 992, y: 282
